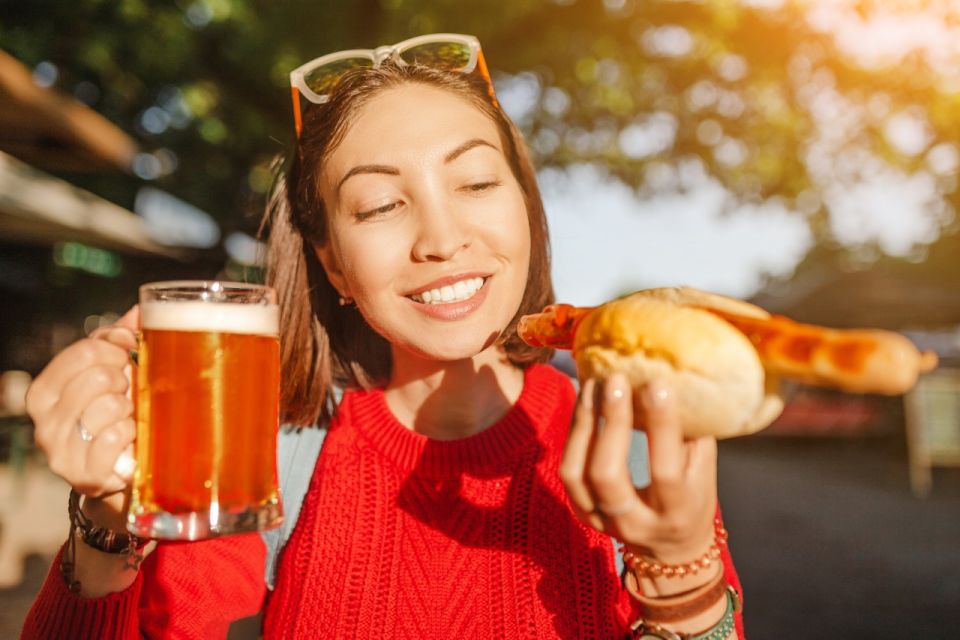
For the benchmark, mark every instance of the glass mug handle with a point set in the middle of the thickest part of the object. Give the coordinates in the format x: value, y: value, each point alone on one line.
x: 126, y: 462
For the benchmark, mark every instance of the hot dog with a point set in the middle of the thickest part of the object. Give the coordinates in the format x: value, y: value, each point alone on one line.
x: 725, y: 357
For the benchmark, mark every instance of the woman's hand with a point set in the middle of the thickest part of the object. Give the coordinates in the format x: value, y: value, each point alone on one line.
x: 670, y: 520
x: 82, y: 412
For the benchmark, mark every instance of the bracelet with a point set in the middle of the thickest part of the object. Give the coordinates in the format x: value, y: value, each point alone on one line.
x: 720, y: 631
x: 651, y: 568
x: 684, y: 605
x: 99, y: 538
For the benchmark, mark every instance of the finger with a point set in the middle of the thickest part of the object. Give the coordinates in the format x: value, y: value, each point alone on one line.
x: 608, y: 473
x: 575, y: 454
x: 105, y: 410
x: 102, y: 456
x: 46, y: 390
x: 58, y: 430
x: 61, y: 432
x: 131, y: 319
x: 702, y: 464
x: 668, y: 456
x: 123, y: 337
x: 81, y: 392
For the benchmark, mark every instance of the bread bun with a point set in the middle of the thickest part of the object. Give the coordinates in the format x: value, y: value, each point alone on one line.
x: 690, y: 297
x: 720, y: 385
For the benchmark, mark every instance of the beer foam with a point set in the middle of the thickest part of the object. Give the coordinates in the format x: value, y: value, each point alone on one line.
x: 223, y: 317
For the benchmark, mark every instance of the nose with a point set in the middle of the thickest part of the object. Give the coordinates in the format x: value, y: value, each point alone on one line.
x: 442, y: 232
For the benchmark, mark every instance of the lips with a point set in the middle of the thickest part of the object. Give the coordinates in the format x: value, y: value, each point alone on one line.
x: 454, y: 288
x: 455, y: 292
x: 451, y: 298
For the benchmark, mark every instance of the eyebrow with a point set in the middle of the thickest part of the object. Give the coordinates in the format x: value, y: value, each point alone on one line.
x: 368, y: 168
x: 466, y: 146
x: 393, y: 171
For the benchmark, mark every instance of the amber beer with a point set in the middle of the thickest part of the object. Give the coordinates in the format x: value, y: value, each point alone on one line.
x: 207, y: 411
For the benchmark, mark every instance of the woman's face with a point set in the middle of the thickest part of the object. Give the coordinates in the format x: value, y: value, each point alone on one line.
x: 428, y: 226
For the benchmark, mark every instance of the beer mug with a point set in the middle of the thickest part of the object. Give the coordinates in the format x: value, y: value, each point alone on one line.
x: 207, y: 408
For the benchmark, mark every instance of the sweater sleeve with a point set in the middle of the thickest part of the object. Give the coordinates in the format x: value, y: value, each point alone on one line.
x: 730, y: 574
x: 196, y: 589
x: 59, y: 613
x: 184, y: 590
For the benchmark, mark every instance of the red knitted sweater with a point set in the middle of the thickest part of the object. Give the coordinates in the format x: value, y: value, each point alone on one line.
x: 399, y: 536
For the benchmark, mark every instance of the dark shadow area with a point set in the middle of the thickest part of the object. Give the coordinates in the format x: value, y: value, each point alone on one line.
x: 830, y: 543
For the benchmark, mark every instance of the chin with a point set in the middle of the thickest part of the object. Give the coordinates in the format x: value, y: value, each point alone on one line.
x: 452, y: 350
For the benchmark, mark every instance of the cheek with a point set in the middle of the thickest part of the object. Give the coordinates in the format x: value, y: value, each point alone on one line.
x: 368, y: 262
x: 513, y: 233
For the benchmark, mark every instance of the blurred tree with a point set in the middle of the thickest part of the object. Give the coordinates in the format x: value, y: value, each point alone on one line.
x: 765, y: 96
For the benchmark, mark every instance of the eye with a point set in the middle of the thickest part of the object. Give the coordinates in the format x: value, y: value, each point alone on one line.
x: 379, y: 211
x: 480, y: 187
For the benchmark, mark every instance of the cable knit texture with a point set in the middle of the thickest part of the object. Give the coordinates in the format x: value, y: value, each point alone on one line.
x: 399, y: 536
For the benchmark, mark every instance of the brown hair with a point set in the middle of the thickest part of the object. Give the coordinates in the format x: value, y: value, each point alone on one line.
x: 322, y: 342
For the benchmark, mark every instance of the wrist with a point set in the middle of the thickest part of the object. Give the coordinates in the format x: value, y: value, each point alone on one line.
x: 662, y: 575
x: 680, y: 551
x: 108, y: 511
x: 100, y: 556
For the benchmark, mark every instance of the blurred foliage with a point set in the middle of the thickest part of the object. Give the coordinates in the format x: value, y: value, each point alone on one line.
x: 656, y: 91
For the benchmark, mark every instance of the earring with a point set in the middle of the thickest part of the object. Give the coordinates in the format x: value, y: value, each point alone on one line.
x: 345, y: 301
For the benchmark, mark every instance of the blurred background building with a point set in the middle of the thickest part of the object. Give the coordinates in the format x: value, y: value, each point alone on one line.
x: 803, y: 154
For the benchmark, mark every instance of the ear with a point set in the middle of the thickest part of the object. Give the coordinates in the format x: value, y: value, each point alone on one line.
x: 331, y: 264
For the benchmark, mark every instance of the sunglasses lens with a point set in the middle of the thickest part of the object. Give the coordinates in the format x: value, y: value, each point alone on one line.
x: 444, y: 55
x: 323, y: 79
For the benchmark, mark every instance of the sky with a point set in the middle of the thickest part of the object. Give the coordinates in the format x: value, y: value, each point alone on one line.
x: 606, y: 242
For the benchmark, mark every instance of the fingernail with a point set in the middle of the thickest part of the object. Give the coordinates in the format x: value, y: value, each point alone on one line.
x: 616, y: 387
x: 125, y: 466
x: 655, y: 393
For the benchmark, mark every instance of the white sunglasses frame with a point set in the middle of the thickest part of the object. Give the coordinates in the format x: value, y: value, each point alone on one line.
x: 378, y: 56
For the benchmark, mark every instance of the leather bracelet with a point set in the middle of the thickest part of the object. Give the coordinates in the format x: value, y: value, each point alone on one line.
x: 643, y: 630
x: 99, y: 538
x: 102, y: 538
x: 683, y: 605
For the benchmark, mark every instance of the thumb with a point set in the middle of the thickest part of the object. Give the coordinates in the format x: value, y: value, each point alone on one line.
x: 131, y: 319
x: 123, y: 332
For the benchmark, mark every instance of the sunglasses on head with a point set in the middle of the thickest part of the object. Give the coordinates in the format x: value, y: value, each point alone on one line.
x: 316, y: 79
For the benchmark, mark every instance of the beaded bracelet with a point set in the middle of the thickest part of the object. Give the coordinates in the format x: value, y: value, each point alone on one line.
x: 99, y: 538
x: 651, y: 568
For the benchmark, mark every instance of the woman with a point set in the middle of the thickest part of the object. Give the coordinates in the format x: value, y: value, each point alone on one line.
x: 406, y: 240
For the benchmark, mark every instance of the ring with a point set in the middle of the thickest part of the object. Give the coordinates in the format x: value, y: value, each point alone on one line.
x: 622, y: 510
x: 85, y: 435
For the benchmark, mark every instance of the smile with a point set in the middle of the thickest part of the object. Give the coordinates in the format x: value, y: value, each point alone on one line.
x: 456, y: 292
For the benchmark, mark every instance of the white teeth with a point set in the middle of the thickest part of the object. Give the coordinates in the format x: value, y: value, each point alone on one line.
x: 462, y: 290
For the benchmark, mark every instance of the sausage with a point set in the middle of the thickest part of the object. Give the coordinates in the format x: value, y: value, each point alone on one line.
x: 553, y: 327
x: 855, y: 360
